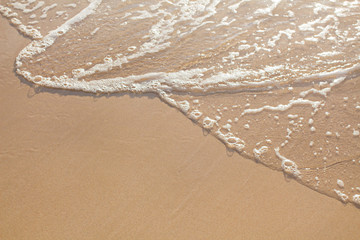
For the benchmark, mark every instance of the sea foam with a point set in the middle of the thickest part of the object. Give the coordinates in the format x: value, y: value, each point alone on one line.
x: 277, y: 82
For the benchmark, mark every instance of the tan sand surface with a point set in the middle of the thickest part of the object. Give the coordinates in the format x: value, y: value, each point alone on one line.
x: 77, y: 166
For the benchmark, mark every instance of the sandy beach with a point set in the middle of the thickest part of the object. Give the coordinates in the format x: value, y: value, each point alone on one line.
x: 125, y: 166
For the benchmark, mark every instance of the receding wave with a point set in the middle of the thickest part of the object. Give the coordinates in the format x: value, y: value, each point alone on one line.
x: 276, y: 80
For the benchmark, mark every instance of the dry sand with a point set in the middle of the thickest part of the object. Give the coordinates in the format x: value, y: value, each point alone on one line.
x: 76, y: 166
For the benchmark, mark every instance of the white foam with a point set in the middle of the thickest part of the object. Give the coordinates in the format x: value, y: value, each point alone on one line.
x: 24, y: 4
x: 340, y: 183
x: 343, y: 197
x: 356, y: 199
x: 37, y: 47
x: 184, y: 106
x: 46, y: 9
x: 208, y: 123
x: 283, y: 107
x: 356, y: 133
x: 95, y: 31
x: 329, y: 54
x: 26, y: 30
x: 328, y: 134
x: 259, y: 152
x: 320, y: 7
x: 195, y: 115
x: 269, y: 10
x: 231, y: 140
x: 287, y: 32
x: 159, y: 34
x: 323, y: 91
x: 71, y: 5
x: 235, y: 6
x: 288, y: 165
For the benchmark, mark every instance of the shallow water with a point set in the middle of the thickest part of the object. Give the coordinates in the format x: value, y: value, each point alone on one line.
x: 276, y: 81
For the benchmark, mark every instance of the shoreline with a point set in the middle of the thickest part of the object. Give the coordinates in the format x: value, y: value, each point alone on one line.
x: 85, y: 167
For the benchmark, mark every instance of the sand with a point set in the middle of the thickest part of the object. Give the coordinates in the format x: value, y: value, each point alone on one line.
x: 78, y: 166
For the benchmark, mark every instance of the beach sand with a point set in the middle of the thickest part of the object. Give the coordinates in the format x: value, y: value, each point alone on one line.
x: 79, y: 166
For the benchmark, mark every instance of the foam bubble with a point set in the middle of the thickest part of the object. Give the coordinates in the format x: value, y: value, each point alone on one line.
x: 208, y: 123
x: 340, y: 183
x: 343, y: 197
x: 259, y: 152
x: 356, y: 199
x: 288, y: 165
x: 195, y: 115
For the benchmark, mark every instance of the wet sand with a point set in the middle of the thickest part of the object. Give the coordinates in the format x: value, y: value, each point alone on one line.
x: 77, y: 166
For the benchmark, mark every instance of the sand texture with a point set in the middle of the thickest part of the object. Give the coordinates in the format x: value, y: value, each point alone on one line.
x: 123, y: 166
